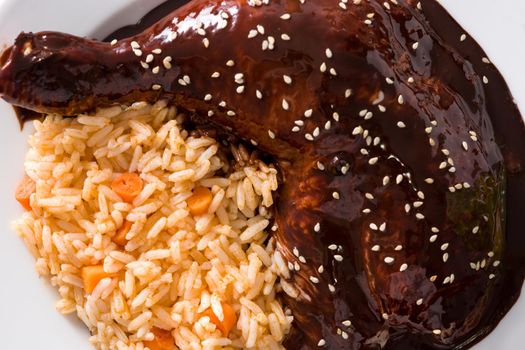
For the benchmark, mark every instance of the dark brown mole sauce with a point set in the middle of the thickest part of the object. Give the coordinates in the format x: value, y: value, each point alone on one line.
x: 510, y: 134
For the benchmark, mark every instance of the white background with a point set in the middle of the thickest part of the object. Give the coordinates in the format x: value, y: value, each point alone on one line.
x: 28, y: 319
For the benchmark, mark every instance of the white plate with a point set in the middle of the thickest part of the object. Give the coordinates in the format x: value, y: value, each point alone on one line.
x: 28, y: 319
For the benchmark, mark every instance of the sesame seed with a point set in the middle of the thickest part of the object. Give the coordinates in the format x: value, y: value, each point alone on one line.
x: 322, y: 68
x: 445, y: 257
x: 389, y: 81
x: 369, y: 196
x: 492, y: 276
x: 144, y: 65
x: 399, y: 179
x: 410, y: 80
x: 417, y: 204
x: 113, y: 42
x: 444, y: 246
x: 357, y: 130
x: 419, y: 301
x: 385, y: 316
x: 475, y: 230
x: 496, y: 263
x: 240, y: 89
x: 285, y: 37
x: 433, y: 238
x: 407, y: 208
x: 137, y: 52
x: 373, y: 161
x: 167, y: 62
x: 260, y: 29
x: 366, y: 211
x: 415, y: 45
x: 230, y: 113
x: 400, y: 99
x: 252, y: 33
x: 420, y: 216
x: 230, y: 63
x: 286, y: 105
x: 155, y: 70
x: 433, y: 278
x: 286, y: 16
x: 485, y: 80
x: 320, y: 269
x: 207, y: 97
x: 335, y: 115
x: 317, y: 227
x: 403, y: 267
x: 314, y: 279
x: 485, y: 60
x: 328, y: 53
x: 347, y: 323
x: 389, y: 260
x: 308, y: 113
x: 332, y: 247
x: 316, y: 132
x: 463, y: 37
x: 287, y: 79
x: 335, y: 195
x: 401, y: 125
x: 331, y: 288
x: 429, y: 180
x: 215, y: 75
x: 373, y: 226
x: 338, y: 258
x: 320, y: 166
x: 271, y: 134
x: 382, y: 227
x: 258, y: 94
x: 375, y: 248
x: 206, y: 42
x: 135, y: 45
x: 321, y: 342
x: 309, y: 137
x: 437, y: 331
x: 156, y: 87
x: 328, y: 125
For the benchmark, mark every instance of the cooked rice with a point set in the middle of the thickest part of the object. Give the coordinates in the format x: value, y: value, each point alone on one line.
x: 175, y: 266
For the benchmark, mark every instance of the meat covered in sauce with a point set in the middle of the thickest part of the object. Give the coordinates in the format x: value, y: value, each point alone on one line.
x: 399, y: 144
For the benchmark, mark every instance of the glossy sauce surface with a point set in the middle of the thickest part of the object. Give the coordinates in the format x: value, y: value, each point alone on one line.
x: 403, y: 186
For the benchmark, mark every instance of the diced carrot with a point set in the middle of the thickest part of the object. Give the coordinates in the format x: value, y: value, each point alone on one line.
x: 229, y: 321
x: 163, y: 340
x: 200, y: 201
x: 127, y: 186
x: 91, y: 275
x: 24, y: 191
x: 120, y: 237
